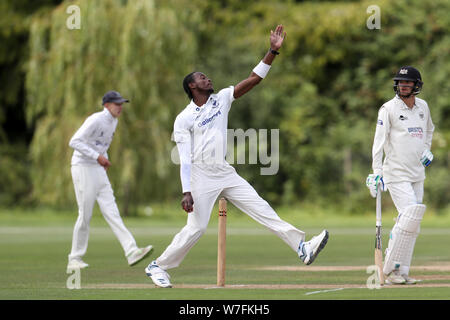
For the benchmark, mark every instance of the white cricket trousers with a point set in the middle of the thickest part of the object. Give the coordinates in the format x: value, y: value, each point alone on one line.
x: 405, y: 194
x: 91, y: 184
x: 205, y: 191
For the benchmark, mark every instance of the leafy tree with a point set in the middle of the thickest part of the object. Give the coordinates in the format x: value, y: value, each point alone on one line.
x: 323, y: 92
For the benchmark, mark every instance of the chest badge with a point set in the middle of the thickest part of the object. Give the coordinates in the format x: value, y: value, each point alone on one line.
x: 421, y: 116
x: 402, y: 117
x: 215, y: 104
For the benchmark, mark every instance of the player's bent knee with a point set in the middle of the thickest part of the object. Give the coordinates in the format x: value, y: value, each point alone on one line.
x: 198, y: 231
x: 411, y: 218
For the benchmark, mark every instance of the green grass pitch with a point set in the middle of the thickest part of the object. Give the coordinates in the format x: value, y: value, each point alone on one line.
x: 259, y: 266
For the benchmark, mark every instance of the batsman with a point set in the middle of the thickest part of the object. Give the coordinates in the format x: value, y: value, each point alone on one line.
x: 200, y: 134
x: 404, y: 132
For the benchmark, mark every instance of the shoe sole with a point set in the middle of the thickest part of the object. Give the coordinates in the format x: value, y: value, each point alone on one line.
x: 412, y: 282
x: 147, y: 272
x: 77, y: 266
x: 390, y: 283
x: 321, y: 246
x: 143, y: 257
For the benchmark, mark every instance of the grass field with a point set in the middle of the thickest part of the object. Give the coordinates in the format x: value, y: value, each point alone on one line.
x: 34, y: 248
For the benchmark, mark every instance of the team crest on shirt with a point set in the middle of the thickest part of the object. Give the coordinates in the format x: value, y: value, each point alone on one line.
x: 421, y: 115
x: 215, y: 103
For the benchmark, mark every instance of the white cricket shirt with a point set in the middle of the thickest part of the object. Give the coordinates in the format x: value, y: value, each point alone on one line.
x: 403, y: 134
x: 93, y: 138
x: 204, y: 129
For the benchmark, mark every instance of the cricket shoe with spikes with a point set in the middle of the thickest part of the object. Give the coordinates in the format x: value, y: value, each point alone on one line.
x: 409, y: 280
x: 308, y: 251
x: 395, y: 278
x: 77, y: 264
x: 138, y: 255
x: 159, y: 276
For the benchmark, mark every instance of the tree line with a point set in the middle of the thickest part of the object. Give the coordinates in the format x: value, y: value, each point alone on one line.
x: 322, y: 93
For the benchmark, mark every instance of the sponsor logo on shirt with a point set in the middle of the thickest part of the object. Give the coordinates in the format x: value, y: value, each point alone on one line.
x: 402, y: 117
x: 380, y: 122
x: 416, y: 132
x: 208, y: 120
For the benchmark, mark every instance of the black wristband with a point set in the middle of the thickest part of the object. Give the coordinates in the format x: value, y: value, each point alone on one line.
x: 275, y: 52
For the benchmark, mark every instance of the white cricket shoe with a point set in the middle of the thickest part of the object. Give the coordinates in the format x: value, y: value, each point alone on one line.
x: 308, y: 251
x: 77, y: 264
x: 139, y: 254
x: 159, y: 276
x: 409, y: 280
x: 395, y: 278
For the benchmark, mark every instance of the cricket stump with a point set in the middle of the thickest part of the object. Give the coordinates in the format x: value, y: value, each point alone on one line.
x: 221, y: 242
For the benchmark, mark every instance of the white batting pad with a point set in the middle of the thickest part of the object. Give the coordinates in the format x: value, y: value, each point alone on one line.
x: 403, y: 238
x: 410, y: 220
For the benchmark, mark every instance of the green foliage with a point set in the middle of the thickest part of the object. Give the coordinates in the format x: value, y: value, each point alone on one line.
x: 323, y: 91
x: 140, y: 48
x: 15, y: 183
x: 14, y: 32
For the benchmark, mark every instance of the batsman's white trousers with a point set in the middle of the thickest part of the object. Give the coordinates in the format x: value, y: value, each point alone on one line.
x: 206, y: 188
x: 91, y: 184
x: 405, y: 194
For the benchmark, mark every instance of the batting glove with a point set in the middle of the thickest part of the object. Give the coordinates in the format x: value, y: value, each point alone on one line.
x: 375, y: 182
x: 427, y: 157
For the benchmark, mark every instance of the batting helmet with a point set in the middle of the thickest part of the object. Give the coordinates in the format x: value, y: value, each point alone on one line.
x: 409, y: 74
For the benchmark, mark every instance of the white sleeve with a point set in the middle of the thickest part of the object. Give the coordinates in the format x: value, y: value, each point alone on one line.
x: 228, y: 94
x: 381, y: 134
x: 181, y: 131
x: 429, y: 132
x: 184, y: 150
x: 78, y: 141
x: 182, y: 137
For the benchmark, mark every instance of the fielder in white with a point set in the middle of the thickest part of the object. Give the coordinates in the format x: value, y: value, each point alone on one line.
x: 91, y: 183
x: 404, y: 133
x: 200, y: 133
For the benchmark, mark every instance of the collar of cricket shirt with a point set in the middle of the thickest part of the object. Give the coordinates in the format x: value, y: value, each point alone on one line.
x: 402, y: 103
x: 108, y: 116
x: 196, y: 108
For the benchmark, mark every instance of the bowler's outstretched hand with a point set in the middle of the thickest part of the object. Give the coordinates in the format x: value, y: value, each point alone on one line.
x: 277, y: 37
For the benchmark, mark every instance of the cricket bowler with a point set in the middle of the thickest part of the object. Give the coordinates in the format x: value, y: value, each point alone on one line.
x: 200, y: 134
x: 91, y: 183
x: 404, y: 132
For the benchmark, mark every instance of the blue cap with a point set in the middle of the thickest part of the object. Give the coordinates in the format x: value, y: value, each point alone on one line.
x: 113, y: 96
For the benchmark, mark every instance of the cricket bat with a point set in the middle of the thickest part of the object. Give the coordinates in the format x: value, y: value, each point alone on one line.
x: 378, y: 244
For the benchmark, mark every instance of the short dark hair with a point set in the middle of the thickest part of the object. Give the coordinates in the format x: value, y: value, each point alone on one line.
x: 188, y: 79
